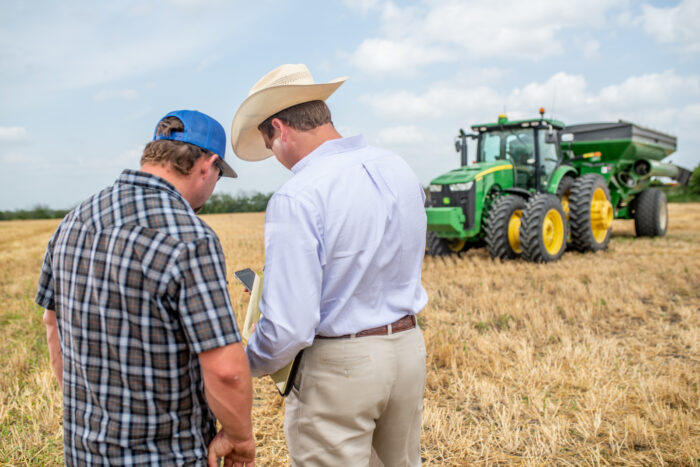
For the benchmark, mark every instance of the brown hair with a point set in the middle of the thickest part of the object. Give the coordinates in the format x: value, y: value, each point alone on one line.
x: 305, y: 116
x: 179, y: 155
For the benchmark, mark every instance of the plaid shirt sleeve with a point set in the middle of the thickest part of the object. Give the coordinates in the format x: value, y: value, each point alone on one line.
x: 45, y: 291
x: 204, y: 305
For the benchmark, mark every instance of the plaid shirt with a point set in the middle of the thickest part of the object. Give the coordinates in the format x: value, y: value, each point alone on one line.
x: 138, y: 283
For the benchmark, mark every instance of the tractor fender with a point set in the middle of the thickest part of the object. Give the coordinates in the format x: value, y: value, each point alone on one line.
x: 519, y: 191
x: 558, y: 174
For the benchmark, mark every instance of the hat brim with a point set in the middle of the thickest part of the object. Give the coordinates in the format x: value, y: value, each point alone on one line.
x: 246, y: 139
x: 228, y: 170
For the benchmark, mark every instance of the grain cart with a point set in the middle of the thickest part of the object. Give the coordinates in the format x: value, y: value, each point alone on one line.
x: 537, y: 185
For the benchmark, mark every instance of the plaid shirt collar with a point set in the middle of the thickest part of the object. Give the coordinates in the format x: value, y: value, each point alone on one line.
x: 148, y: 180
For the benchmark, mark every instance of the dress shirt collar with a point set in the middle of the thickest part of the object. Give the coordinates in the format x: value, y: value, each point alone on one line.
x: 332, y: 146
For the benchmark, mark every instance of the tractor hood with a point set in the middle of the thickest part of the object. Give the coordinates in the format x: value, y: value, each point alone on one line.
x: 471, y: 172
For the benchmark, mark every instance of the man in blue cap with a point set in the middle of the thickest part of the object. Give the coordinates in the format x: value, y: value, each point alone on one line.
x: 141, y: 332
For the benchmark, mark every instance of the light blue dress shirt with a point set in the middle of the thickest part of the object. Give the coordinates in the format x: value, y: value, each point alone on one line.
x: 344, y: 244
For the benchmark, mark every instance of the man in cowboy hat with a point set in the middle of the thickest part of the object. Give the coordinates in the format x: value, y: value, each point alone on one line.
x: 344, y: 243
x: 141, y: 332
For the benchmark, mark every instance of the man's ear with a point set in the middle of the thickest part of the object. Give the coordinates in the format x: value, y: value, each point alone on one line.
x: 278, y: 124
x: 207, y: 163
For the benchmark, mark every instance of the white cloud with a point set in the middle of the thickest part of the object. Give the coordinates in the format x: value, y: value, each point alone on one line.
x: 678, y: 25
x: 398, y: 135
x: 381, y: 55
x: 362, y: 5
x: 12, y: 134
x: 75, y: 45
x: 452, y: 30
x: 108, y: 94
x: 655, y: 97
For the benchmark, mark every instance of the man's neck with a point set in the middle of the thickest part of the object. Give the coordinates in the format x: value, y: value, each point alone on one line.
x: 169, y: 175
x: 309, y: 141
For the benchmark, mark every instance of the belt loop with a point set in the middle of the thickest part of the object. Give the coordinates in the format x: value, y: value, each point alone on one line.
x: 389, y: 331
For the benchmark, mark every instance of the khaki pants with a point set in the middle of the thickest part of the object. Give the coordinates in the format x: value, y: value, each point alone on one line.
x: 354, y: 395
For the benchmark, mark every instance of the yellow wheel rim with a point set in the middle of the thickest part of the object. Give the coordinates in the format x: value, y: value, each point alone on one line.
x: 553, y: 232
x: 601, y: 215
x: 456, y: 245
x: 565, y: 203
x: 514, y: 230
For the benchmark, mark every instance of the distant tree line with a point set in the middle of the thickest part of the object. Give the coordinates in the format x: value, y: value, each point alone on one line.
x: 242, y: 202
x: 217, y: 204
x: 39, y: 211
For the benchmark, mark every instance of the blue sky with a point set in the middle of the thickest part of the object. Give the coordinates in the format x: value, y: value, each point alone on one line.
x: 82, y: 83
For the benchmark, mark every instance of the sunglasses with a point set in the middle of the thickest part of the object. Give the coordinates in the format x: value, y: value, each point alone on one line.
x: 221, y: 169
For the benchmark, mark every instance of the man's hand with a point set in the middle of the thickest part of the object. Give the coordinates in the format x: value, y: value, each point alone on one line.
x: 237, y: 454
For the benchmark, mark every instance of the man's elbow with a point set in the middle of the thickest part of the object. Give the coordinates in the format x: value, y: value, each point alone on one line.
x: 49, y: 318
x: 228, y: 366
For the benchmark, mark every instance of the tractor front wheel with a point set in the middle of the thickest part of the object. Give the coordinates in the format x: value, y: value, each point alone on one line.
x: 503, y: 227
x: 590, y: 213
x: 651, y: 213
x: 543, y: 229
x: 436, y: 246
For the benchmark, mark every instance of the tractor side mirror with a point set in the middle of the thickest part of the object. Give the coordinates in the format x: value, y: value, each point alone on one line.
x: 550, y: 137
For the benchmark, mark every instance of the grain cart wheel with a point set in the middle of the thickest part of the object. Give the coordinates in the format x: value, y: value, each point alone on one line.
x: 591, y: 213
x: 503, y: 227
x: 436, y: 246
x: 543, y: 230
x: 651, y: 213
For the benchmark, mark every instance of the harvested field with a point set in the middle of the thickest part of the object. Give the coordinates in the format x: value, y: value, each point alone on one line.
x: 593, y: 360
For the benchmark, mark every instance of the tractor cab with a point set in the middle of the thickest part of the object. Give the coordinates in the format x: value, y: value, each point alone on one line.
x: 530, y: 146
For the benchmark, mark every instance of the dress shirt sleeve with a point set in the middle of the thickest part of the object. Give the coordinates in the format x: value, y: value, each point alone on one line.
x: 291, y: 298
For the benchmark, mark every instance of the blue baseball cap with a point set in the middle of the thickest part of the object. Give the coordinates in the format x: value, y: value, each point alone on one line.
x: 202, y: 131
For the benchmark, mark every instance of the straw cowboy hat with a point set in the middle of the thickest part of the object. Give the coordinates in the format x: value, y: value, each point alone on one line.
x: 280, y: 89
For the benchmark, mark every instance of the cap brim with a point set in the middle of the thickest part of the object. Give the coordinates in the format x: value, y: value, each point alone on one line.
x: 246, y: 140
x: 228, y: 170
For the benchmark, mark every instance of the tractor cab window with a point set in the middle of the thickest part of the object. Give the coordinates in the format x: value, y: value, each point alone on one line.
x: 491, y: 147
x: 515, y: 146
x: 549, y: 157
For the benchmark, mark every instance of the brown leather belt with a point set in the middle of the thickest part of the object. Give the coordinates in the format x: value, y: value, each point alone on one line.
x: 403, y: 324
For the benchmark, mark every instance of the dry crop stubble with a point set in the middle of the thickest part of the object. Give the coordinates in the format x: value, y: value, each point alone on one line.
x: 591, y: 360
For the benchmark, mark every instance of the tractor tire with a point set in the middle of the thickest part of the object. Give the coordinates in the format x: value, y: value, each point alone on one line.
x: 591, y: 213
x: 503, y: 227
x: 651, y: 213
x: 543, y: 230
x: 564, y: 193
x: 436, y: 246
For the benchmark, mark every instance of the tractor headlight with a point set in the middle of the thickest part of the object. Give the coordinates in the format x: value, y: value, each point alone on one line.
x: 461, y: 186
x: 435, y: 188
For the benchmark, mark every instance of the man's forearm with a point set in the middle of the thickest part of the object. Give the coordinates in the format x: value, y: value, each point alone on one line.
x: 54, y: 344
x: 229, y: 389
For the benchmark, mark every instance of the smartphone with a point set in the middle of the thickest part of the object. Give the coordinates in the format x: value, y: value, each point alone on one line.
x: 246, y: 276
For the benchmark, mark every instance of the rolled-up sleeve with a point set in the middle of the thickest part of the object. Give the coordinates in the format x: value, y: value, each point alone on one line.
x: 204, y: 305
x: 45, y: 291
x: 292, y: 286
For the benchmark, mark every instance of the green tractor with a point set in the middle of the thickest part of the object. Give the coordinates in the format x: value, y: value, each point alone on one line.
x: 537, y: 186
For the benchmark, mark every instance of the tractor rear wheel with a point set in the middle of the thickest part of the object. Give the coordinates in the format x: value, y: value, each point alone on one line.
x: 503, y: 227
x: 651, y: 213
x: 543, y: 229
x: 436, y: 246
x: 591, y: 213
x: 564, y: 193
